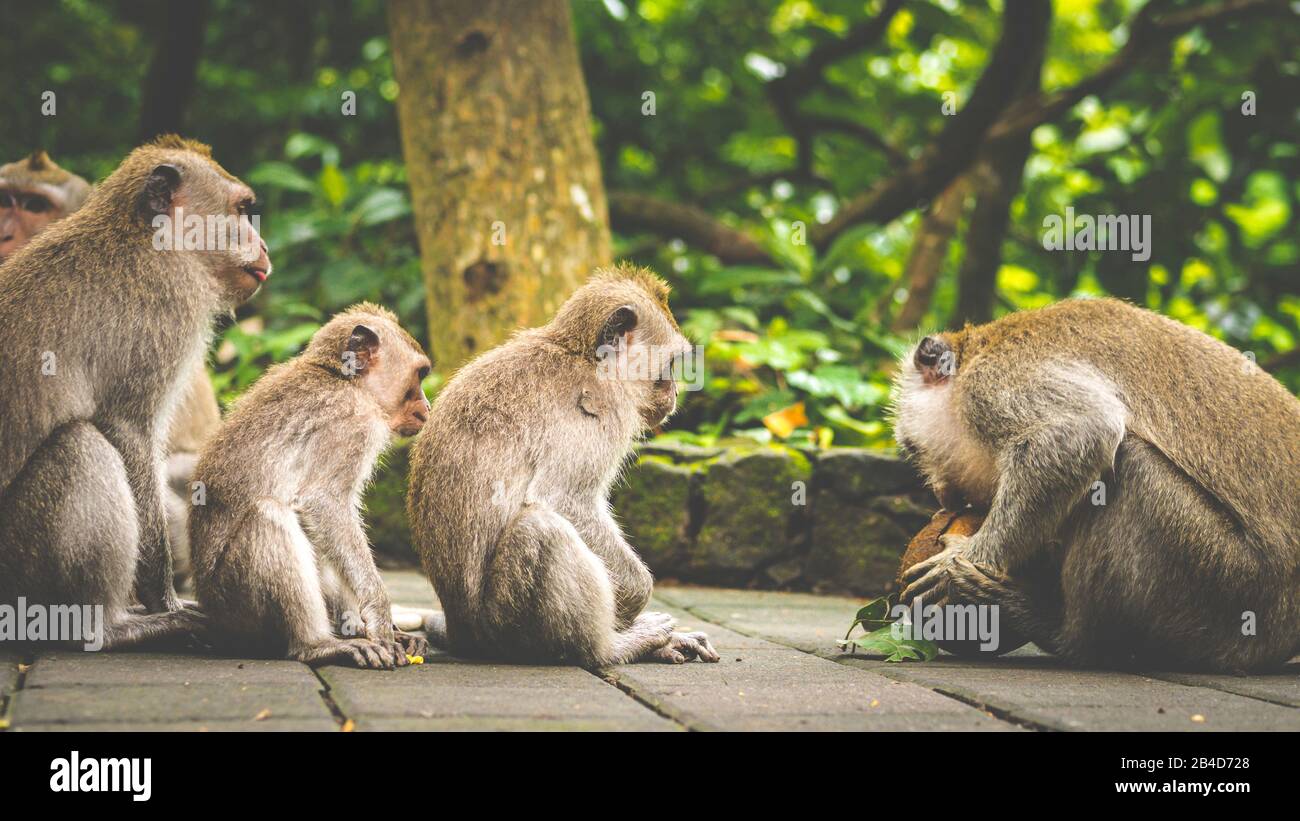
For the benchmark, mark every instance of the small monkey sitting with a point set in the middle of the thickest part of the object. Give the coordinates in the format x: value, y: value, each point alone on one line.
x: 280, y: 554
x: 509, y: 485
x: 1141, y: 479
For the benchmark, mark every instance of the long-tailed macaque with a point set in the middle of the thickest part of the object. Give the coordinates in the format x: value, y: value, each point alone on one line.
x: 510, y: 480
x: 35, y: 192
x: 103, y: 316
x: 282, y: 566
x: 1142, y: 482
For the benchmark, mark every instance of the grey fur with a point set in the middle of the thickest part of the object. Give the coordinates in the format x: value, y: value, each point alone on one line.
x: 281, y: 561
x: 96, y: 329
x: 1197, y: 450
x: 509, y: 490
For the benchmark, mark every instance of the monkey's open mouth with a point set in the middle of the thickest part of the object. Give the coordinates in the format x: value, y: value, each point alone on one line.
x: 254, y: 271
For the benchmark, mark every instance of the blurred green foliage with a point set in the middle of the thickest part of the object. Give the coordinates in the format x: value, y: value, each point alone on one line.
x: 1169, y: 139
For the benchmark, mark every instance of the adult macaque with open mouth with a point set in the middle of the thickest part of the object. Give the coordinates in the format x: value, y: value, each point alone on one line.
x: 100, y: 329
x: 1153, y: 468
x: 510, y: 480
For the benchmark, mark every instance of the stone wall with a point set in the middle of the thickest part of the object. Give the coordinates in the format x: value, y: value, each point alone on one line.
x: 745, y: 515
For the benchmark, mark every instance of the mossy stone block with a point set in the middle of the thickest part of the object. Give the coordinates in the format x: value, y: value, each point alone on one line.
x: 653, y: 504
x: 750, y: 518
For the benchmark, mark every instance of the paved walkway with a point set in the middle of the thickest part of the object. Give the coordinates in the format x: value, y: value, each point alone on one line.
x: 780, y: 670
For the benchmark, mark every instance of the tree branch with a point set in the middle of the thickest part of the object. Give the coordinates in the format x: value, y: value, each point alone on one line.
x: 929, y: 250
x: 786, y: 92
x: 1023, y: 21
x: 809, y: 72
x: 631, y: 212
x: 1147, y: 32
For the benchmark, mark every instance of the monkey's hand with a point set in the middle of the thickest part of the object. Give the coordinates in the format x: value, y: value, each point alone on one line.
x: 932, y: 578
x: 411, y: 645
x: 972, y: 584
x: 683, y: 647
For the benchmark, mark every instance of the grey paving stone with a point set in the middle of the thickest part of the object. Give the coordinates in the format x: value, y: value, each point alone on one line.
x: 270, y: 725
x: 1281, y: 688
x: 1053, y: 697
x: 468, y: 690
x: 763, y: 685
x: 98, y: 669
x: 1026, y: 686
x: 140, y: 705
x: 872, y: 722
x: 8, y: 672
x: 647, y: 723
x: 801, y: 620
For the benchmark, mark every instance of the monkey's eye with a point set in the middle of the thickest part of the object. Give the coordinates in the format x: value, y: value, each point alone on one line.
x: 7, y: 200
x: 423, y: 373
x: 37, y: 204
x: 245, y: 206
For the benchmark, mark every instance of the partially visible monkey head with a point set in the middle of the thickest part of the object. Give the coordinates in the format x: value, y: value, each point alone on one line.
x: 366, y: 344
x: 620, y: 320
x: 925, y: 420
x: 934, y: 359
x: 33, y: 193
x: 173, y: 195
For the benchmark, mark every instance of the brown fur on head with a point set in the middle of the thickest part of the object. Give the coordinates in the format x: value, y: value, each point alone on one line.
x: 172, y: 181
x: 35, y: 192
x: 366, y: 343
x: 620, y: 320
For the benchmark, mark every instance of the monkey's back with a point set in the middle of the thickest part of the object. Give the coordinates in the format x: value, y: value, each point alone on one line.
x: 504, y: 429
x: 1224, y: 422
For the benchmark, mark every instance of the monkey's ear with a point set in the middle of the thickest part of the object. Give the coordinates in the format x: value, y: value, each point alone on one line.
x: 363, y: 344
x: 159, y: 189
x: 619, y: 323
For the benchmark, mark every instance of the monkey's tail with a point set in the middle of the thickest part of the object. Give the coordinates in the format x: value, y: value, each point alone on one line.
x: 435, y: 626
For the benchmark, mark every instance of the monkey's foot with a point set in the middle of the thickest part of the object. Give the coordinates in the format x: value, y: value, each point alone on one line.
x: 363, y: 653
x: 411, y: 645
x: 684, y: 647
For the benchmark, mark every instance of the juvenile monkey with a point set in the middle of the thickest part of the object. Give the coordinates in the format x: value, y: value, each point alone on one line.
x: 509, y: 485
x: 280, y: 553
x: 98, y: 328
x: 35, y: 192
x: 1186, y: 555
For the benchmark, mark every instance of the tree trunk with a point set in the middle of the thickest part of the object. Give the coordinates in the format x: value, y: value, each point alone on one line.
x: 997, y: 177
x: 929, y: 251
x: 173, y: 68
x: 505, y: 182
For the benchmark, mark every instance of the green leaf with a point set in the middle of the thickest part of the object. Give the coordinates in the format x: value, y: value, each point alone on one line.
x: 381, y: 205
x: 333, y: 185
x: 277, y: 174
x: 882, y: 642
x: 308, y: 145
x: 841, y: 382
x: 1205, y: 146
x: 726, y: 280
